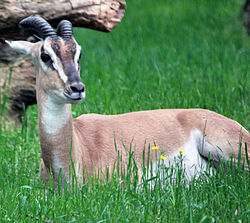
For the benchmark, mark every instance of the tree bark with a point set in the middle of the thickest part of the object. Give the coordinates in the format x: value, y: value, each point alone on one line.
x: 102, y: 15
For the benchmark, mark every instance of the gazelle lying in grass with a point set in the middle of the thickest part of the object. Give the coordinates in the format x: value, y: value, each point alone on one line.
x: 202, y: 134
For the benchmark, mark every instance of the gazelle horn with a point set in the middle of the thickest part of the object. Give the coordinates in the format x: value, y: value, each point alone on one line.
x: 39, y: 25
x: 64, y: 29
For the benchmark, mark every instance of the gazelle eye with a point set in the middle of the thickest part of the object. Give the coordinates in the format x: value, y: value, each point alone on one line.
x: 45, y: 57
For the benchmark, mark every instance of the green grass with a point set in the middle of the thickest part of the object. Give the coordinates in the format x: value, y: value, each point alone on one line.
x: 164, y: 54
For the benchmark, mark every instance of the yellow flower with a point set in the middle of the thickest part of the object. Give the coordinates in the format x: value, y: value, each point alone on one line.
x: 155, y: 147
x: 181, y: 150
x: 163, y: 157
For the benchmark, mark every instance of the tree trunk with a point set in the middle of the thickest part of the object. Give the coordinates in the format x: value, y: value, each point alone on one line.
x: 102, y: 15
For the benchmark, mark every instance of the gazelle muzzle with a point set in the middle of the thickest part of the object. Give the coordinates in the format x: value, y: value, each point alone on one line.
x: 75, y: 91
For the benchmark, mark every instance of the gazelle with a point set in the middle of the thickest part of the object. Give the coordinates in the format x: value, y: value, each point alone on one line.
x: 202, y: 134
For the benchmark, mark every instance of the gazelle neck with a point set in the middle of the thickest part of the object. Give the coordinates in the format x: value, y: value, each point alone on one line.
x: 55, y: 126
x: 53, y: 116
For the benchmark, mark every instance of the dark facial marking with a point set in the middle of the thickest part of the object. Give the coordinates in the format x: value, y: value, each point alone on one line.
x: 46, y: 59
x: 79, y: 57
x: 65, y: 49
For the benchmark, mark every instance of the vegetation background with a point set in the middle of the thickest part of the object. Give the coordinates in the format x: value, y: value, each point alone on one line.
x: 164, y: 54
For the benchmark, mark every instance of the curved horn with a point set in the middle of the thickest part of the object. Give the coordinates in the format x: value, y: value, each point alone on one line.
x: 38, y: 24
x: 64, y: 29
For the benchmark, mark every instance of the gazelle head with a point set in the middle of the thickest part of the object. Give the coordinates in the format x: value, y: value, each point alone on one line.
x: 56, y: 57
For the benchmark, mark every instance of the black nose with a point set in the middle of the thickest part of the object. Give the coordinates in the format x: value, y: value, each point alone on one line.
x: 77, y: 87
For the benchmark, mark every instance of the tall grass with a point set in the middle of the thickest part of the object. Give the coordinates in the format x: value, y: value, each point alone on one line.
x: 164, y: 54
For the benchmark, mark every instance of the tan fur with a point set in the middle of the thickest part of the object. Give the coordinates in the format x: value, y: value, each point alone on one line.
x: 168, y: 129
x: 92, y: 135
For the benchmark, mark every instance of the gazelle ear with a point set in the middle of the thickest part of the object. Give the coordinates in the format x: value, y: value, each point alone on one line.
x: 21, y: 47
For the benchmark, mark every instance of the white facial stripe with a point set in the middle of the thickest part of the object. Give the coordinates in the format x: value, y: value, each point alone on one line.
x: 56, y: 61
x: 44, y: 66
x: 78, y: 51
